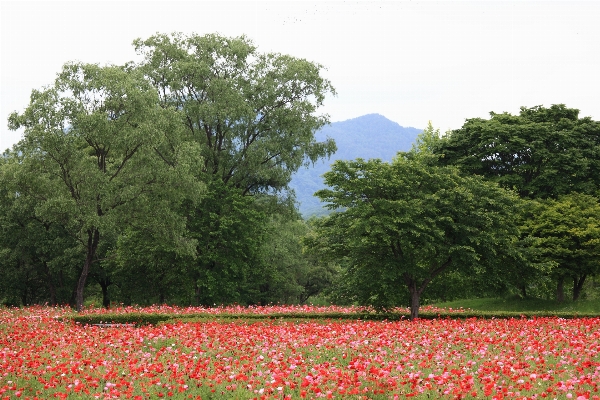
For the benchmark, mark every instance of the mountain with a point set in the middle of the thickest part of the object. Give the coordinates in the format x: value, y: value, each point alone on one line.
x: 369, y: 136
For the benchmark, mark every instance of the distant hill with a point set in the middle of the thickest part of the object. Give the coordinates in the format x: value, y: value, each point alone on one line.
x: 369, y: 136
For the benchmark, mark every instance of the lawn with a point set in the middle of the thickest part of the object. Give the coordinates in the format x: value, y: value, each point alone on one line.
x: 517, y: 304
x: 43, y: 355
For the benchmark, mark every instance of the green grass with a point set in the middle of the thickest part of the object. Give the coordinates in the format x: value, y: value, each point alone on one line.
x: 517, y: 304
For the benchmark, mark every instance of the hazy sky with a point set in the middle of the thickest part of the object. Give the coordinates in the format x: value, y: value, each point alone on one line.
x: 411, y: 61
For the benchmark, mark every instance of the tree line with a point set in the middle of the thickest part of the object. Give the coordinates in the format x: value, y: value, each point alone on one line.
x: 166, y: 180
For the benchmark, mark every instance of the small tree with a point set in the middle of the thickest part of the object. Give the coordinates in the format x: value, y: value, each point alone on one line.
x: 405, y: 223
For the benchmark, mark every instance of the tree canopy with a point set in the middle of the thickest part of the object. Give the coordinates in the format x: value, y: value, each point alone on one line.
x: 253, y: 116
x: 540, y: 153
x: 252, y: 113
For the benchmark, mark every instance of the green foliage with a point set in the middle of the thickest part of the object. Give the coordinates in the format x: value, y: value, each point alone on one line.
x: 253, y: 117
x: 129, y: 318
x: 252, y: 113
x: 459, y: 284
x: 155, y: 319
x: 540, y: 153
x: 88, y: 160
x: 37, y: 258
x: 567, y: 235
x: 425, y: 144
x: 229, y: 229
x: 406, y: 223
x: 160, y: 177
x: 299, y: 274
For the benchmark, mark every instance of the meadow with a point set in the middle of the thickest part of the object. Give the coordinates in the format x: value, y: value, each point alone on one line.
x: 44, y: 355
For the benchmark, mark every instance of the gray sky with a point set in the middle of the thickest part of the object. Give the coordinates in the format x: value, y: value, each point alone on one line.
x: 411, y: 61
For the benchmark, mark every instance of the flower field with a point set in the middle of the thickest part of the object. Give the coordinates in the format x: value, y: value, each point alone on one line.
x: 44, y: 356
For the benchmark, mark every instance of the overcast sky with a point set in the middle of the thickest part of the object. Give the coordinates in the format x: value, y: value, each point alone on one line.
x: 411, y: 61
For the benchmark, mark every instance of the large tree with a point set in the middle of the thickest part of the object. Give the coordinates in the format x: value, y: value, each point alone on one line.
x: 116, y: 156
x: 88, y: 157
x: 407, y: 222
x: 542, y: 153
x: 254, y: 117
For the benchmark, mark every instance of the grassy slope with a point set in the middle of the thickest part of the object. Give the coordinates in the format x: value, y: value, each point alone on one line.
x: 525, y: 305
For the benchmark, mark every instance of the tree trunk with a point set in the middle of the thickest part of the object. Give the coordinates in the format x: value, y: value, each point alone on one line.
x: 560, y: 289
x: 524, y: 291
x: 416, y: 291
x: 50, y: 282
x: 414, y: 304
x: 103, y: 279
x: 104, y: 284
x: 81, y: 282
x: 578, y: 286
x: 197, y: 294
x: 415, y: 297
x: 92, y: 246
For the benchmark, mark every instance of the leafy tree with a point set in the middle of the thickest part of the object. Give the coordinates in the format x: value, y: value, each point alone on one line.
x: 88, y: 156
x: 540, y: 153
x: 406, y: 223
x: 149, y: 270
x: 253, y: 116
x: 281, y: 255
x: 568, y: 235
x: 229, y: 229
x: 425, y: 144
x: 116, y: 158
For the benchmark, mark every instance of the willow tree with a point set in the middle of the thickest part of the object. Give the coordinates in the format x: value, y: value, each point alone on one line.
x: 253, y: 116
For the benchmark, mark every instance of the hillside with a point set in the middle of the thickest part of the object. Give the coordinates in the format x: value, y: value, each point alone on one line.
x: 369, y: 136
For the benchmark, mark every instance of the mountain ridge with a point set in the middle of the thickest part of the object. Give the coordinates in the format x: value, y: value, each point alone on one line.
x: 368, y: 136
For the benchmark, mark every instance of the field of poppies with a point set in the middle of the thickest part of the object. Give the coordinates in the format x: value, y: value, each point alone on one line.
x: 43, y: 355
